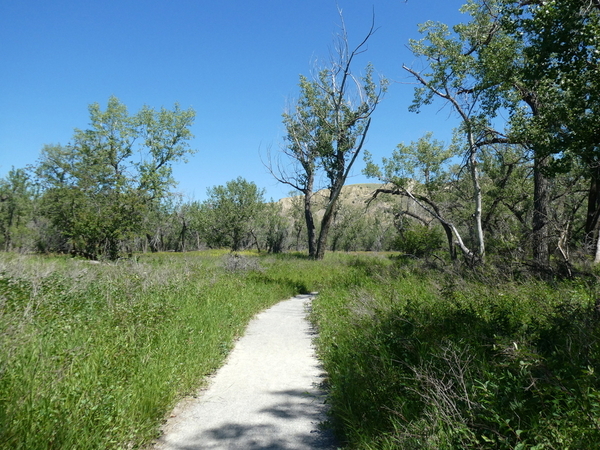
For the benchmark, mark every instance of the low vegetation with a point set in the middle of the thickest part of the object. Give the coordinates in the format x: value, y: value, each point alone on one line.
x: 422, y: 358
x: 93, y: 356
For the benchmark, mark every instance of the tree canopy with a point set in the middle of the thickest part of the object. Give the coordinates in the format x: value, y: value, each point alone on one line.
x: 98, y: 188
x: 326, y: 131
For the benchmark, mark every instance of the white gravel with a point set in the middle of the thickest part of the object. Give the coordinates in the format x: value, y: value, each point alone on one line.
x: 266, y: 396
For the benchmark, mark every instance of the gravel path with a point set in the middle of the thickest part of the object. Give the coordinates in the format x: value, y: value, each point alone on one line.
x: 266, y: 396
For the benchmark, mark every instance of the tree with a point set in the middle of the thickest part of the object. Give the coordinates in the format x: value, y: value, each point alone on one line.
x: 419, y: 172
x: 455, y: 61
x: 326, y: 131
x: 538, y: 61
x: 272, y: 228
x: 563, y: 54
x: 99, y: 187
x: 230, y: 214
x: 356, y: 228
x: 296, y: 213
x: 486, y: 62
x: 16, y: 198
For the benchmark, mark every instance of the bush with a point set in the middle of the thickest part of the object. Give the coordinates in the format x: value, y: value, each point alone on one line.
x: 418, y: 241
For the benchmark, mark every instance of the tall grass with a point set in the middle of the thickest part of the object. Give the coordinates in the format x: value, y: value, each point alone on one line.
x: 93, y: 356
x: 433, y: 359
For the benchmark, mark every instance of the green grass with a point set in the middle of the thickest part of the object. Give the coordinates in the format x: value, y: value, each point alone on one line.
x: 419, y: 357
x: 428, y: 359
x: 93, y: 356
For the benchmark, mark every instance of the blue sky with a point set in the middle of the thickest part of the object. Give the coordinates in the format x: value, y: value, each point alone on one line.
x: 236, y: 63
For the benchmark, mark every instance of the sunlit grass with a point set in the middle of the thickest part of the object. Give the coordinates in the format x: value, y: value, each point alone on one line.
x: 94, y: 355
x: 429, y: 359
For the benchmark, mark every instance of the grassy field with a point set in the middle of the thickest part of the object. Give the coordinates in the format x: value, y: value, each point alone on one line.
x: 92, y: 356
x: 432, y: 358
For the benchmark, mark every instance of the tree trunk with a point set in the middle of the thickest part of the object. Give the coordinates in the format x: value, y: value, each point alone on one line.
x: 597, y: 255
x: 476, y: 194
x: 256, y: 242
x: 593, y: 205
x: 182, y: 236
x: 541, y: 256
x: 151, y: 243
x: 450, y: 239
x: 310, y: 225
x: 593, y: 213
x: 328, y: 217
x: 322, y: 242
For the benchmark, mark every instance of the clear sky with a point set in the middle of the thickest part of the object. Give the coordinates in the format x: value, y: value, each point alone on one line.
x: 237, y: 63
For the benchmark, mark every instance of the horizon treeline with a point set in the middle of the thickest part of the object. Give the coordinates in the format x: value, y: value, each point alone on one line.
x: 519, y: 181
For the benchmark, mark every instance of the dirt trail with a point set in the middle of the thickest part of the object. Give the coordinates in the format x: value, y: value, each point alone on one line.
x: 266, y: 396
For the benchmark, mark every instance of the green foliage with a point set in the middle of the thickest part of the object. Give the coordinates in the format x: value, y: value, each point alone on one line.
x: 93, y: 356
x: 422, y: 174
x: 326, y: 131
x: 16, y: 204
x: 232, y: 213
x: 98, y: 189
x: 357, y: 229
x: 418, y: 241
x: 273, y: 227
x: 425, y: 162
x: 563, y: 54
x: 423, y: 359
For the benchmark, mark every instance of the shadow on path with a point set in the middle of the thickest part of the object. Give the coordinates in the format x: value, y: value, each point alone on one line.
x: 267, y: 396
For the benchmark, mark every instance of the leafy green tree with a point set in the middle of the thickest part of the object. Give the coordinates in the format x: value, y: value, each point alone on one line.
x: 298, y: 222
x: 508, y: 203
x: 536, y: 60
x: 562, y: 50
x: 231, y: 212
x: 16, y: 197
x: 273, y: 227
x: 419, y: 171
x: 99, y: 188
x: 326, y: 131
x: 477, y: 68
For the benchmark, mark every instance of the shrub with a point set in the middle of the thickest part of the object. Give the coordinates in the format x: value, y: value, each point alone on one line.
x: 418, y: 241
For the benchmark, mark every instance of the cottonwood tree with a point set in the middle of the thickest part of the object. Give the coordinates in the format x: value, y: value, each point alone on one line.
x: 230, y: 214
x: 537, y: 63
x: 563, y: 67
x: 272, y: 228
x: 16, y: 202
x: 98, y: 188
x: 326, y: 131
x: 419, y: 172
x: 454, y: 60
x: 476, y: 67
